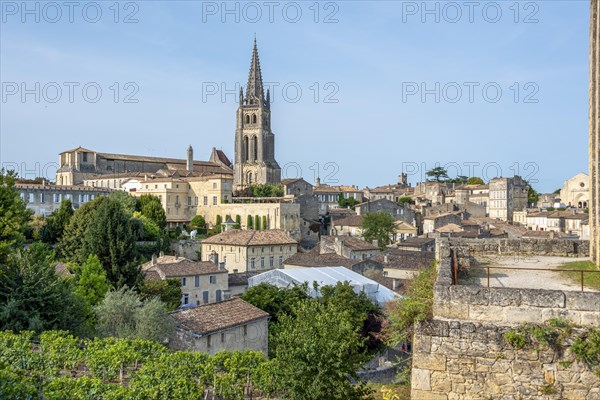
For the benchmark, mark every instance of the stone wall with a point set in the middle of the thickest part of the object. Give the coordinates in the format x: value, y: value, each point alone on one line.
x: 187, y: 248
x: 467, y: 360
x: 524, y: 247
x: 461, y: 353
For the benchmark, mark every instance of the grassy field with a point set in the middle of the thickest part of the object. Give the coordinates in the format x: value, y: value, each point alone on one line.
x: 590, y: 280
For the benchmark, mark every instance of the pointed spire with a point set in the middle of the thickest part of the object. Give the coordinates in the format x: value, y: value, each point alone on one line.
x: 254, y: 89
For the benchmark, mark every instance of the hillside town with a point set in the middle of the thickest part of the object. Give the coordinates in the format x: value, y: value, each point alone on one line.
x: 216, y: 276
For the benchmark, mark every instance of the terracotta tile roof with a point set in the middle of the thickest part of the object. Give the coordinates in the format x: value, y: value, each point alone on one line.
x: 171, y: 267
x: 315, y: 259
x: 237, y: 237
x: 241, y: 278
x: 415, y: 241
x: 152, y: 275
x: 290, y: 181
x: 449, y: 228
x: 405, y: 259
x: 350, y: 220
x: 351, y: 242
x: 208, y: 318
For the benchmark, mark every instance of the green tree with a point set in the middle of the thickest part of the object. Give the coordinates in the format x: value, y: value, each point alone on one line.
x: 167, y: 290
x: 33, y: 296
x: 56, y: 222
x: 249, y: 224
x: 416, y: 305
x: 123, y: 315
x: 532, y: 195
x: 71, y: 245
x: 257, y: 222
x: 461, y: 179
x: 317, y: 350
x: 474, y: 180
x: 109, y: 236
x: 274, y: 300
x: 405, y: 200
x: 151, y: 207
x: 128, y: 202
x: 438, y: 173
x: 349, y: 202
x: 92, y: 284
x: 238, y: 219
x: 14, y: 215
x: 378, y: 226
x: 265, y: 224
x: 149, y: 229
x: 198, y: 223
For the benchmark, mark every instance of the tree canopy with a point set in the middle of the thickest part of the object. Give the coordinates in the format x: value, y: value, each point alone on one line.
x: 109, y: 236
x: 438, y: 173
x: 33, y: 296
x: 151, y: 207
x: 475, y: 180
x: 14, y: 215
x: 56, y: 223
x: 379, y: 226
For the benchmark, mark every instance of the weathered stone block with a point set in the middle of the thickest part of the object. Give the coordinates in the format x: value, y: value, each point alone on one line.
x: 421, y: 395
x: 433, y: 362
x: 590, y: 318
x: 486, y: 313
x: 421, y: 379
x: 518, y: 315
x: 565, y: 313
x: 583, y: 301
x: 543, y: 298
x: 505, y: 297
x: 440, y: 382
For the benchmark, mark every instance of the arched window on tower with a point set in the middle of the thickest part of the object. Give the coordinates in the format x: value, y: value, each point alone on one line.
x: 253, y: 118
x: 247, y: 118
x: 255, y: 148
x: 246, y: 148
x: 249, y: 178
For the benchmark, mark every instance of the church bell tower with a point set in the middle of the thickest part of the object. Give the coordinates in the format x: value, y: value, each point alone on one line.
x: 254, y: 141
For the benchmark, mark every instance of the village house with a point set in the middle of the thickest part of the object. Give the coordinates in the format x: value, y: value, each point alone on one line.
x: 507, y: 195
x: 249, y: 250
x: 433, y: 222
x: 417, y: 244
x: 202, y: 282
x: 231, y: 325
x: 44, y: 199
x: 349, y: 247
x: 328, y: 196
x: 399, y: 263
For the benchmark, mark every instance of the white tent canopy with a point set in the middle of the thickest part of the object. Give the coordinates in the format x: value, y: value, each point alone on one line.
x: 324, y: 276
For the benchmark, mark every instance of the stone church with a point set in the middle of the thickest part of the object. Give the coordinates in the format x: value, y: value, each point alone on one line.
x: 254, y: 161
x: 254, y: 141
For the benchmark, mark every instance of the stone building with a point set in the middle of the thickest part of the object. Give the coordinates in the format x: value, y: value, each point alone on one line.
x: 506, y: 196
x: 249, y: 250
x: 433, y: 222
x: 297, y: 187
x: 231, y: 325
x: 400, y: 212
x: 349, y: 247
x: 202, y: 282
x: 576, y: 191
x: 278, y: 214
x: 44, y: 199
x: 79, y: 164
x: 328, y: 196
x: 254, y: 139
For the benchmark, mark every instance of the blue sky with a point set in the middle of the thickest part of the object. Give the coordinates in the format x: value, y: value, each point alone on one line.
x: 386, y: 86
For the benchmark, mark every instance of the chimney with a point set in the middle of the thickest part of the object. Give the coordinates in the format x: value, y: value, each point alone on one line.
x: 214, y: 258
x: 153, y: 259
x: 376, y: 242
x: 161, y: 254
x: 385, y: 258
x: 190, y: 158
x: 394, y: 284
